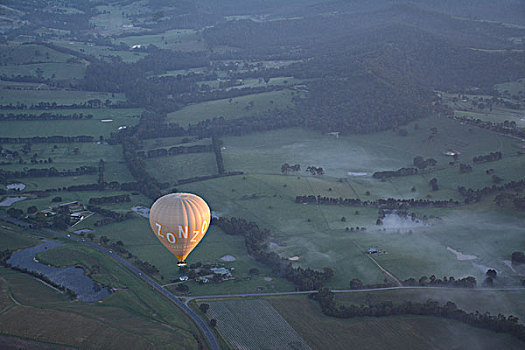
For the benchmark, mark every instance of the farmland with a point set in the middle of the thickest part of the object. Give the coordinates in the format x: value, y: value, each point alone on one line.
x: 400, y: 332
x: 254, y: 324
x: 372, y: 142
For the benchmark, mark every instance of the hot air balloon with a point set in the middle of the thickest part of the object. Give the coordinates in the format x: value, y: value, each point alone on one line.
x: 180, y: 221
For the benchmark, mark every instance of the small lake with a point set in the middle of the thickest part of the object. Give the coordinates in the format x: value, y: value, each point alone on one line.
x: 71, y: 277
x: 7, y: 201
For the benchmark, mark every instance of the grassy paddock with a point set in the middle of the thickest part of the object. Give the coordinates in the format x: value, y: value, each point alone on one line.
x: 400, y: 332
x: 237, y: 108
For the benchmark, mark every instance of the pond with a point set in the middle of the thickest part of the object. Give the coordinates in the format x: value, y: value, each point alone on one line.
x: 7, y: 201
x: 70, y: 277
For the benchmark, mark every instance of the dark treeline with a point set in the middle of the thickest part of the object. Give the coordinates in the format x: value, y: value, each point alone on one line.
x: 395, y: 173
x: 208, y: 177
x: 149, y: 186
x: 432, y: 281
x: 422, y: 163
x: 47, y: 172
x: 176, y: 150
x: 388, y: 203
x: 237, y: 127
x: 110, y: 214
x: 90, y: 104
x: 491, y: 157
x: 499, y: 323
x: 47, y: 139
x: 506, y: 127
x: 216, y: 144
x: 43, y: 116
x: 109, y: 199
x: 475, y: 195
x: 256, y: 240
x: 111, y: 186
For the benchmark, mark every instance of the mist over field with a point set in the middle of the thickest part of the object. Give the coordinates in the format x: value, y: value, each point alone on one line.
x: 253, y: 174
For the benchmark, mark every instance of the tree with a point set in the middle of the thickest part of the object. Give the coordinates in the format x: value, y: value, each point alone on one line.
x: 491, y: 273
x: 285, y: 168
x: 204, y: 307
x: 213, y: 323
x: 253, y: 271
x: 356, y: 284
x: 32, y: 209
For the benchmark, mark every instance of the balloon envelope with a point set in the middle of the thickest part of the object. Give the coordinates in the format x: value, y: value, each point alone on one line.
x: 180, y: 221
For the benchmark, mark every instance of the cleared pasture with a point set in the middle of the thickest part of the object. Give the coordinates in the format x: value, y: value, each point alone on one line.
x: 238, y: 107
x: 183, y: 166
x: 400, y: 332
x: 53, y: 71
x: 254, y: 324
x: 13, y: 54
x: 102, y: 52
x: 175, y: 39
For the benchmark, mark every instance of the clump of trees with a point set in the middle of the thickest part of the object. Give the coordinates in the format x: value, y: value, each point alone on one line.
x: 422, y: 163
x: 395, y: 173
x: 256, y: 240
x: 491, y: 157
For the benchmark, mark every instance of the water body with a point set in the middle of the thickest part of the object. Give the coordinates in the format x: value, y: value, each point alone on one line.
x: 7, y: 201
x: 16, y: 187
x: 71, y: 277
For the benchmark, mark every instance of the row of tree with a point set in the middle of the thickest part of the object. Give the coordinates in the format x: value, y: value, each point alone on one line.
x: 449, y: 310
x: 386, y: 203
x: 110, y: 199
x: 491, y: 157
x: 176, y: 150
x: 47, y: 172
x: 395, y: 173
x: 47, y: 139
x: 43, y: 116
x: 475, y: 195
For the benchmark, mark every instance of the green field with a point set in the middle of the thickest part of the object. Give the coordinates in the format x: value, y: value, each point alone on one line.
x: 183, y: 166
x: 316, y: 234
x: 27, y: 54
x: 102, y: 52
x: 176, y: 39
x: 237, y: 108
x: 54, y: 71
x: 400, y: 332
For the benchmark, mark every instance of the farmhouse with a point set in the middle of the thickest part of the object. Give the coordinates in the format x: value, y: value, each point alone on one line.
x: 372, y: 251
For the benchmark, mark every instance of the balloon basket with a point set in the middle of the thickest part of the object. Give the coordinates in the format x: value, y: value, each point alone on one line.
x: 182, y: 264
